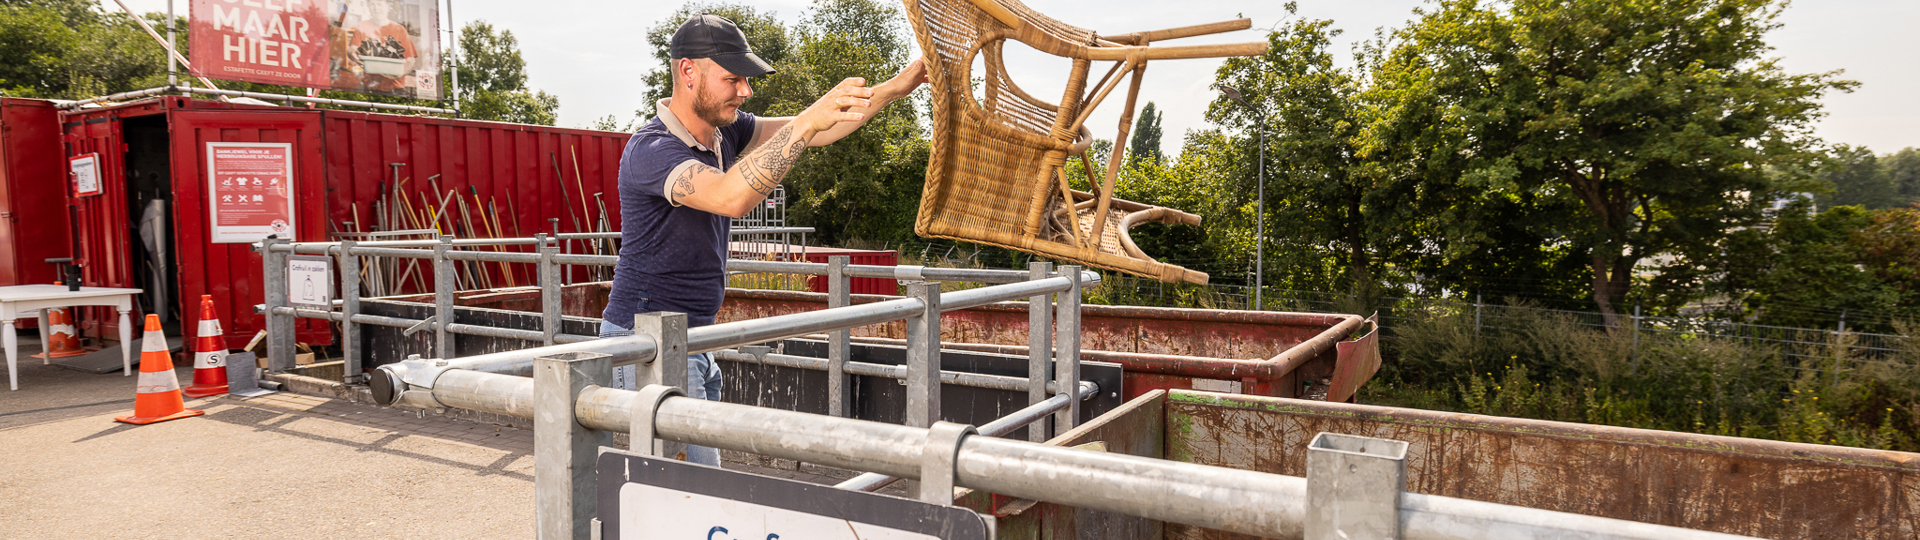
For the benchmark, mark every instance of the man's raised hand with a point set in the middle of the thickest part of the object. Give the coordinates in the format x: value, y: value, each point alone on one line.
x: 831, y: 109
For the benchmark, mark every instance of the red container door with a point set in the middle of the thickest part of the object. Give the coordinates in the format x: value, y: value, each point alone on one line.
x: 102, y: 233
x: 232, y: 272
x: 33, y: 188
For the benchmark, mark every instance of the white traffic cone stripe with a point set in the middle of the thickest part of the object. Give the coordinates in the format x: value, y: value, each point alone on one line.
x: 210, y: 327
x: 67, y: 329
x: 213, y: 359
x: 153, y: 342
x: 154, y: 382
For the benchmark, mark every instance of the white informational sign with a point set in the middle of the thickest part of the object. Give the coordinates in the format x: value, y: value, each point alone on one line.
x: 86, y: 174
x: 675, y: 514
x: 310, y: 282
x: 664, y: 498
x: 249, y: 191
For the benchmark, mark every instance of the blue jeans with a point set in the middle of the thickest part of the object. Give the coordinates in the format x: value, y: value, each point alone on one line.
x: 703, y: 382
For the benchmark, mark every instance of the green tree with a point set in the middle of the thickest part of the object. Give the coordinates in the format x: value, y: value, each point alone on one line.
x: 1855, y: 177
x: 1654, y: 122
x: 1146, y: 136
x: 1903, y: 172
x: 67, y: 49
x: 493, y: 79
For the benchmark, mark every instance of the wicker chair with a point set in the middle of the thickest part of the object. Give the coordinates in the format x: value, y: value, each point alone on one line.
x: 997, y: 172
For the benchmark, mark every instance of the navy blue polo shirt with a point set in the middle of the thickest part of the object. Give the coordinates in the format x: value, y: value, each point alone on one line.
x: 672, y: 257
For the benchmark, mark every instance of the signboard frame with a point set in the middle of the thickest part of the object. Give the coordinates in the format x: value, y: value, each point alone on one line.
x: 618, y: 469
x: 84, y: 170
x: 228, y: 234
x: 300, y: 272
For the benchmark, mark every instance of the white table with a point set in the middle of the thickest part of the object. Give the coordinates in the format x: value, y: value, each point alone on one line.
x: 38, y: 298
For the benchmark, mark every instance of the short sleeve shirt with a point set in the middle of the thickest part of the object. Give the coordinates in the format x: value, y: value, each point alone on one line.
x: 672, y: 257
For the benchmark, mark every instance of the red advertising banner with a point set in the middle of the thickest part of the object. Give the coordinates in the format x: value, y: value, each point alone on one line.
x: 250, y: 191
x: 388, y: 47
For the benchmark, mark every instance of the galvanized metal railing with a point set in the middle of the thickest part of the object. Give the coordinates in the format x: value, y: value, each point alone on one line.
x: 1038, y: 284
x: 1353, y: 484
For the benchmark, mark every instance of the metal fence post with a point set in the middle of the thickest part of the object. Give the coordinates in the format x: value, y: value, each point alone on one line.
x: 669, y: 366
x: 1039, y: 347
x: 279, y: 327
x: 565, y: 453
x: 839, y: 294
x: 443, y: 287
x: 923, y: 356
x: 549, y: 275
x: 1635, y: 351
x: 1354, y: 486
x: 1066, y: 363
x: 1476, y: 312
x: 349, y: 306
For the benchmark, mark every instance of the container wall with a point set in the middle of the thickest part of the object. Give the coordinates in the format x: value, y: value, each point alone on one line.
x: 232, y: 272
x: 1741, y: 486
x: 33, y: 189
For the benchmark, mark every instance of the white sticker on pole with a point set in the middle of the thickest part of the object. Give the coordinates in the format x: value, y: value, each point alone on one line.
x: 310, y: 282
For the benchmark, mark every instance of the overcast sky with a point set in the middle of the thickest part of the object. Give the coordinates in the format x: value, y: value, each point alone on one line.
x: 592, y: 55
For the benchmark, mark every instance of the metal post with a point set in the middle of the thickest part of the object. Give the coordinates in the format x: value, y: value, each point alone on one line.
x: 839, y: 294
x: 173, y: 46
x: 1039, y: 349
x: 279, y: 327
x: 923, y: 356
x: 443, y: 287
x: 565, y: 453
x: 1476, y: 312
x: 549, y: 276
x: 349, y: 306
x: 669, y: 364
x: 1066, y: 363
x: 1354, y: 486
x: 1260, y: 226
x: 1636, y: 330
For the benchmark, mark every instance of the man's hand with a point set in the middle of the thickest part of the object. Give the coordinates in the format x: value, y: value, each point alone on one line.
x: 909, y: 78
x: 832, y: 109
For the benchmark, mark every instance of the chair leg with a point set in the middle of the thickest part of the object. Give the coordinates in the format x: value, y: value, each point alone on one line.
x: 1118, y: 155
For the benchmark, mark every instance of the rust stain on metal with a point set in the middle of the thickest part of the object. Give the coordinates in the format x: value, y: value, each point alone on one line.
x: 1726, y: 484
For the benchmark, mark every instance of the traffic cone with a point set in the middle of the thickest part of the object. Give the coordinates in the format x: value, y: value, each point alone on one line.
x: 157, y: 398
x: 209, y: 354
x: 64, y: 340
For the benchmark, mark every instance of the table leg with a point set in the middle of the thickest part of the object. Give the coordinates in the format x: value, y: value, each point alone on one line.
x: 46, y: 337
x: 13, y: 361
x: 126, y: 344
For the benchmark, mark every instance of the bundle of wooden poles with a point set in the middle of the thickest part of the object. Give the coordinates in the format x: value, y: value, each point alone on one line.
x: 415, y: 213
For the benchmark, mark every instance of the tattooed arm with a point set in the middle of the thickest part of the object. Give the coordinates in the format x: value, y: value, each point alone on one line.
x: 734, y: 193
x: 898, y: 87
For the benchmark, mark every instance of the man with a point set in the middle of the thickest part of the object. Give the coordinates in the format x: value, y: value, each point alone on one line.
x: 702, y: 161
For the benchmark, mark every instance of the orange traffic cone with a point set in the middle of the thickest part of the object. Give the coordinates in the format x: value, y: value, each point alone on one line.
x: 158, y: 394
x: 209, y: 354
x: 64, y: 340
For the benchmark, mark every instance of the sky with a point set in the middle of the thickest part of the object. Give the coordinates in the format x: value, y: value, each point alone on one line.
x: 593, y: 55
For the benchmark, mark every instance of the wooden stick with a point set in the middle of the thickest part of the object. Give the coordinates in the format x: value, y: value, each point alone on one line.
x: 579, y: 182
x: 1142, y: 38
x: 1105, y: 194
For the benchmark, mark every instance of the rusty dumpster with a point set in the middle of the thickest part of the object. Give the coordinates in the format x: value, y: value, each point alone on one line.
x: 1320, y: 356
x: 1751, y: 487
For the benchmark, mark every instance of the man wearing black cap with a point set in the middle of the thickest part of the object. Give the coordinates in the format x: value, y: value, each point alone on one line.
x: 702, y: 161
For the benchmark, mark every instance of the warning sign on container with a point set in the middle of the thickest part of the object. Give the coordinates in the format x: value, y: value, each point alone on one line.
x: 250, y: 191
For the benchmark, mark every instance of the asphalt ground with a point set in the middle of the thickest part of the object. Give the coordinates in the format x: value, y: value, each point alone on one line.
x: 284, y: 466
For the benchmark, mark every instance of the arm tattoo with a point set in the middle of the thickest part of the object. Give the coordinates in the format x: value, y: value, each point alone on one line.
x: 683, y: 184
x: 770, y: 163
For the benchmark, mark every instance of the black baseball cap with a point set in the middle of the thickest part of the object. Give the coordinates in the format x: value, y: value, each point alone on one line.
x: 714, y: 37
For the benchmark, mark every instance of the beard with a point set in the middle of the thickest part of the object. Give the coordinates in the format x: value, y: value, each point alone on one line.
x: 714, y: 108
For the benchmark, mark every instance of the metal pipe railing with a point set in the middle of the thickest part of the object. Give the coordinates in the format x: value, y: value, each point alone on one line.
x: 1231, y: 500
x: 1002, y: 426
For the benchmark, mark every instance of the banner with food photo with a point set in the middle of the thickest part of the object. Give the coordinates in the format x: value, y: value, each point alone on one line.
x: 388, y: 47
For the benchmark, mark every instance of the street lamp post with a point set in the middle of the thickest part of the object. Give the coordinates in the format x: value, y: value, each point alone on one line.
x: 1260, y: 219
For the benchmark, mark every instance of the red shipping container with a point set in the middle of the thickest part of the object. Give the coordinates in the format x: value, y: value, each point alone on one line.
x: 154, y: 149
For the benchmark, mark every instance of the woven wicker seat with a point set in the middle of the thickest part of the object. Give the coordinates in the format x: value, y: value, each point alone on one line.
x: 997, y: 172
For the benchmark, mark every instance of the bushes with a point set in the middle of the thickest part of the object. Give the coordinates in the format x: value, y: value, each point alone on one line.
x: 1546, y: 365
